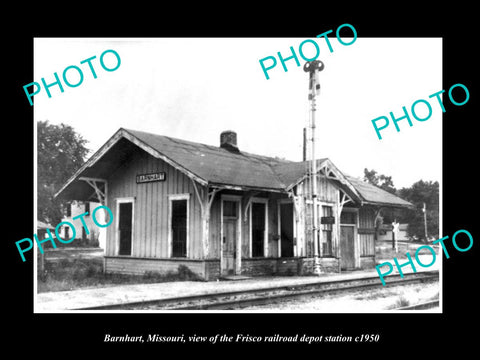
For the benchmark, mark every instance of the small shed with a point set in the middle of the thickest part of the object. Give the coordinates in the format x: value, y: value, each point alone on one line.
x: 94, y: 236
x: 220, y: 211
x: 41, y: 232
x: 385, y: 232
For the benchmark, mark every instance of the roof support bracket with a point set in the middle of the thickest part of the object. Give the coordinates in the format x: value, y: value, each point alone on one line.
x: 377, y: 214
x: 93, y: 183
x: 344, y: 199
x: 296, y: 204
x: 248, y: 203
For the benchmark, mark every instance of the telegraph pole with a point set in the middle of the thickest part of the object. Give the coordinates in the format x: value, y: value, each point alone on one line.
x: 425, y: 220
x: 314, y: 67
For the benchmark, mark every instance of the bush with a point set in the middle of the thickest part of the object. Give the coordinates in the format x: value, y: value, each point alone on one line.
x: 63, y: 263
x: 71, y: 273
x: 93, y: 270
x: 151, y: 275
x: 184, y: 273
x: 401, y: 302
x: 94, y: 242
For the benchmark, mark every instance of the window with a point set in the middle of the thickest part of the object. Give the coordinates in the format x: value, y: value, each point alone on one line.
x: 68, y: 210
x: 327, y: 231
x: 286, y: 229
x: 87, y: 208
x: 179, y: 228
x: 230, y: 234
x: 66, y: 230
x: 125, y: 227
x: 258, y: 229
x: 229, y: 208
x: 348, y: 217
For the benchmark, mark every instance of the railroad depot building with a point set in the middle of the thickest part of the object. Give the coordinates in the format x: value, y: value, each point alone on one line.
x: 220, y: 211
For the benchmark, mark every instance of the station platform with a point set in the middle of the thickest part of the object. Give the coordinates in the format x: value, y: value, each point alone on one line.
x: 81, y: 300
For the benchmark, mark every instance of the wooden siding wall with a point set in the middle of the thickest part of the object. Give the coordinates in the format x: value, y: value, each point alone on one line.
x: 328, y: 194
x: 215, y: 228
x: 327, y: 191
x: 150, y: 233
x: 367, y: 245
x: 366, y: 231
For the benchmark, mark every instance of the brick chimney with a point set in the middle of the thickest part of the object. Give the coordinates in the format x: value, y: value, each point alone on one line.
x: 228, y: 141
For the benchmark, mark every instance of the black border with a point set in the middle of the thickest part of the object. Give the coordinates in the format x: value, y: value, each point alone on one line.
x: 402, y: 333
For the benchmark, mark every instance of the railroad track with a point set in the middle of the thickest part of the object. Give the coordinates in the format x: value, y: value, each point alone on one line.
x: 421, y: 306
x: 234, y: 300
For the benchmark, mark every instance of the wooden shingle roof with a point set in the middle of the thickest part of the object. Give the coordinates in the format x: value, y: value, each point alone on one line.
x: 216, y: 165
x: 213, y: 166
x: 373, y: 195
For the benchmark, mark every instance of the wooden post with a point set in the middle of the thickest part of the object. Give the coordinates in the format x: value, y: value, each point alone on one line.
x: 425, y: 220
x: 395, y: 230
x: 343, y: 199
x: 304, y: 144
x: 101, y: 195
x: 41, y: 233
x: 42, y: 262
x: 206, y: 233
x: 205, y: 199
x: 376, y: 215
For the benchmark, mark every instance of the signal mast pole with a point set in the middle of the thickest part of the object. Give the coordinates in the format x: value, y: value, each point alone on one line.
x: 314, y: 67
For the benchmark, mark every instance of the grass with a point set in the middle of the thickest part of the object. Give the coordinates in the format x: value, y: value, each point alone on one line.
x: 374, y: 294
x: 73, y: 274
x: 384, y: 251
x: 401, y: 302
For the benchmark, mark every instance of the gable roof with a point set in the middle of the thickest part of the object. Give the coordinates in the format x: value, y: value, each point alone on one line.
x: 374, y: 195
x: 43, y: 225
x: 214, y: 166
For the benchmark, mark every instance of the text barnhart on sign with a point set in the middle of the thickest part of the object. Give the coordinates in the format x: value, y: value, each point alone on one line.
x: 145, y: 178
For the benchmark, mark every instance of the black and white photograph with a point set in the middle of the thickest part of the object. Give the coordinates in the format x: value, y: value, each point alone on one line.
x: 226, y: 182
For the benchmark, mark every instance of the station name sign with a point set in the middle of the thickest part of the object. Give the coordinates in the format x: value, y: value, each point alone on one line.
x: 146, y: 178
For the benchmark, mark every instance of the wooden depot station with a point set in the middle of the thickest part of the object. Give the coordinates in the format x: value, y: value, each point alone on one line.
x: 220, y: 211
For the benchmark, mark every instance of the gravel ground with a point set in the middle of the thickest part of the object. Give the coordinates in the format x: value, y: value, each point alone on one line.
x: 375, y: 300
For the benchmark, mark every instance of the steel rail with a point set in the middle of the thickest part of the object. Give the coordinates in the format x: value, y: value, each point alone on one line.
x: 242, y: 298
x: 262, y: 300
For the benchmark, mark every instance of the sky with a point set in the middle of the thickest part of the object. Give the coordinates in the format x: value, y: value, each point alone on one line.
x: 195, y: 88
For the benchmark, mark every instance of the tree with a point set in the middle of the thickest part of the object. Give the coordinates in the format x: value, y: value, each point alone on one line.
x: 419, y: 193
x: 382, y: 181
x: 386, y: 183
x: 60, y: 152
